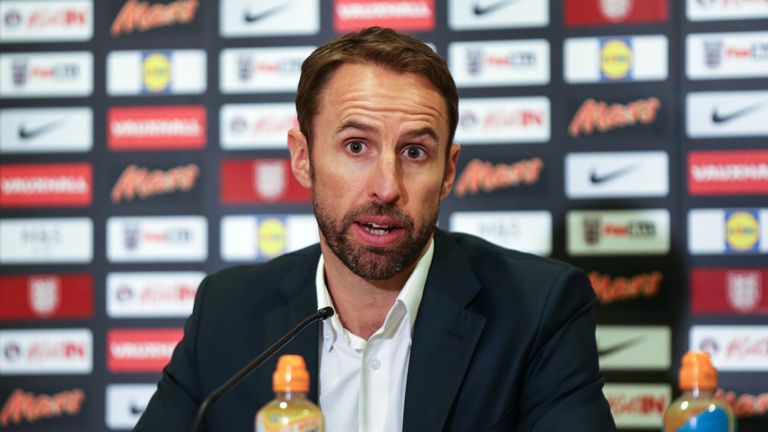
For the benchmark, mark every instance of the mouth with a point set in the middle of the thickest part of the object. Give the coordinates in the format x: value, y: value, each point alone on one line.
x: 378, y: 229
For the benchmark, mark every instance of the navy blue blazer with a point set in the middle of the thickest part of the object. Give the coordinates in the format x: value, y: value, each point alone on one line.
x: 504, y: 341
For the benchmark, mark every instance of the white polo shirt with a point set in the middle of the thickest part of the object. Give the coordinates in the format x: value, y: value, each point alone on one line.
x: 362, y: 383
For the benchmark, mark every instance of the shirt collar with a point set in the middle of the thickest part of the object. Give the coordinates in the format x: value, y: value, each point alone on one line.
x: 409, y: 297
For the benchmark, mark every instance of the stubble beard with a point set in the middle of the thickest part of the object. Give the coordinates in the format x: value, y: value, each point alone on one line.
x: 368, y: 262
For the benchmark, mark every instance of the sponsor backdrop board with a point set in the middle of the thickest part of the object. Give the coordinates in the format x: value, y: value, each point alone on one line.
x: 143, y: 146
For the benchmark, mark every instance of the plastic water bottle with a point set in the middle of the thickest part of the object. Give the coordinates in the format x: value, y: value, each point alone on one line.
x: 697, y: 409
x: 290, y: 411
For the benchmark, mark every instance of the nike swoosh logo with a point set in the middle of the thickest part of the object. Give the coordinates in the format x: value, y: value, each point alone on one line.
x: 252, y: 18
x: 601, y: 352
x: 596, y: 178
x: 717, y: 117
x: 27, y: 134
x: 135, y: 409
x: 482, y: 10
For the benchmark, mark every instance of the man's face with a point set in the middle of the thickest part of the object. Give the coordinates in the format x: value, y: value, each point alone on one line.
x: 378, y: 169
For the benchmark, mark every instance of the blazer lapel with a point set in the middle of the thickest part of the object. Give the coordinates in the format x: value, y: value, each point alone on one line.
x: 444, y: 338
x: 298, y: 301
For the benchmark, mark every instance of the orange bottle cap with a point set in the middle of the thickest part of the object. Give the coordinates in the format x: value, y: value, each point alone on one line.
x: 291, y: 375
x: 697, y: 372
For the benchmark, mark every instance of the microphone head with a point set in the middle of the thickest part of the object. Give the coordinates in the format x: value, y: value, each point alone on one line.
x: 325, y: 313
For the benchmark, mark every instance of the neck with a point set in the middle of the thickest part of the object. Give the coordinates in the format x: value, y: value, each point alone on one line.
x: 361, y: 304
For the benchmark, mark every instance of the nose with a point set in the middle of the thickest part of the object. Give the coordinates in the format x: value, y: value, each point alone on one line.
x: 386, y: 182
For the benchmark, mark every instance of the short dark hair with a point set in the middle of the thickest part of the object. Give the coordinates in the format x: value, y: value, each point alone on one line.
x: 380, y: 46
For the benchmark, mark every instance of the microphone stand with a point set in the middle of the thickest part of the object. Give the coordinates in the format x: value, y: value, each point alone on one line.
x: 321, y: 314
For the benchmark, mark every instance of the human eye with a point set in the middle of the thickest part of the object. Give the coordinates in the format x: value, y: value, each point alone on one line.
x: 414, y: 152
x: 355, y: 146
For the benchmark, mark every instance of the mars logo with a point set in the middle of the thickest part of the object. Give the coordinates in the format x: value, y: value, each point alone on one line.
x: 156, y: 72
x: 609, y: 289
x: 140, y: 183
x: 744, y: 290
x: 44, y: 294
x: 24, y: 406
x: 141, y: 16
x: 594, y: 115
x: 480, y: 175
x: 742, y: 230
x: 616, y: 58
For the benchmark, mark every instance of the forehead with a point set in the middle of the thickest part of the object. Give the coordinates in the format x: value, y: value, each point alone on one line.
x: 372, y: 90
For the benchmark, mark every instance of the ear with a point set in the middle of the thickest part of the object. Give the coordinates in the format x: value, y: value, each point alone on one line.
x: 450, y: 171
x: 300, y: 163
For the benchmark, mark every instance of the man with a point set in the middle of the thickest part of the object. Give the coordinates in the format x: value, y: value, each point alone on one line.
x: 433, y: 331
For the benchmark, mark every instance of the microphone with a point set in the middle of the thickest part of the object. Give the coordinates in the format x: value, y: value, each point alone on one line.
x: 321, y: 315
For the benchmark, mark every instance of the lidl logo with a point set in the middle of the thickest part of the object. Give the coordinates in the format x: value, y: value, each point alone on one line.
x: 269, y: 235
x: 742, y: 231
x: 616, y: 59
x: 156, y: 72
x: 272, y: 237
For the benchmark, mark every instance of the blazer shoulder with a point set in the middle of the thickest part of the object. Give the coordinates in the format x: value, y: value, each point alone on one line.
x: 524, y: 283
x: 288, y: 269
x: 489, y: 258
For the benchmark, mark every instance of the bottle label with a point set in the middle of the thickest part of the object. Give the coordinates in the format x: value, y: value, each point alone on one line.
x: 708, y: 421
x: 280, y: 423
